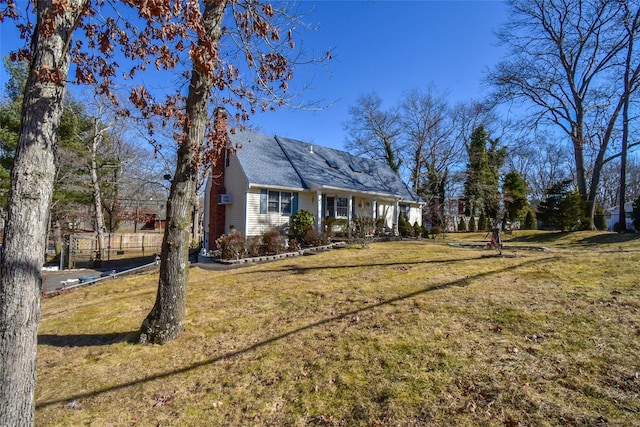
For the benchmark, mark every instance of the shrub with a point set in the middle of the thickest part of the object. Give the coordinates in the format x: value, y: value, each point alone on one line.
x: 231, y: 246
x: 472, y: 224
x: 333, y: 226
x: 435, y: 230
x: 530, y: 220
x: 363, y: 226
x: 417, y: 230
x: 300, y: 222
x: 424, y: 231
x: 404, y: 226
x: 599, y: 220
x: 462, y: 225
x: 253, y: 246
x: 380, y: 226
x: 272, y: 242
x: 293, y: 245
x: 482, y: 222
x: 562, y: 208
x: 314, y: 238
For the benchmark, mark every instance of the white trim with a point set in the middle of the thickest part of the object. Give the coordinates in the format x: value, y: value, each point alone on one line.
x: 278, y: 188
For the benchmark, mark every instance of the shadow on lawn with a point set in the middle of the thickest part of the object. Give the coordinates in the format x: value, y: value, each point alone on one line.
x: 611, y: 238
x: 87, y: 340
x: 303, y: 270
x: 462, y: 282
x: 604, y: 238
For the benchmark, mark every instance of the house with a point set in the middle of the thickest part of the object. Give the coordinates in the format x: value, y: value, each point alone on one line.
x: 612, y: 216
x: 263, y: 180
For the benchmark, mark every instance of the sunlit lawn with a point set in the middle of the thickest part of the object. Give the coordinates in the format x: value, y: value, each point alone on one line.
x: 399, y: 333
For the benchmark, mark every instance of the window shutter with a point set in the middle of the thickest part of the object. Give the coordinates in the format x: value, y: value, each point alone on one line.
x: 263, y: 201
x: 294, y: 207
x: 324, y: 208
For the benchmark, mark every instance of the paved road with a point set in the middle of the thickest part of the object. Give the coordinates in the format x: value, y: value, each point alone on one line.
x: 53, y: 280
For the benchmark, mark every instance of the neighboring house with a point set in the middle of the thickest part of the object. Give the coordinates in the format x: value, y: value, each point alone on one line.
x: 148, y: 214
x: 258, y: 186
x: 612, y: 216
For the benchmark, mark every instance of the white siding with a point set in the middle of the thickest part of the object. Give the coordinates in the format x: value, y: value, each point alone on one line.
x: 205, y: 218
x: 415, y: 215
x: 307, y: 202
x: 261, y: 223
x: 386, y: 211
x: 235, y: 183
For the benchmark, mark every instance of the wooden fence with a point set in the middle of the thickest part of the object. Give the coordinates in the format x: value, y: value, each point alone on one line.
x: 82, y: 248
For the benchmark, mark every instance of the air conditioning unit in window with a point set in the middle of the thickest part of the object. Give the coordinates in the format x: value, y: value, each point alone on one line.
x: 224, y: 199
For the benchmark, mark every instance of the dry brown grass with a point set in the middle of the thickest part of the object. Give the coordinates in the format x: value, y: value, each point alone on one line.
x: 401, y: 333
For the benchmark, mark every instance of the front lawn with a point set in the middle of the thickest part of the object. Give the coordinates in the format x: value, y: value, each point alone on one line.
x: 398, y: 333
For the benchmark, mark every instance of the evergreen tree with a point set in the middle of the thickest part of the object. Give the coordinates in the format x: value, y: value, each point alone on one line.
x: 481, y: 188
x: 477, y: 169
x: 491, y: 186
x: 462, y: 225
x: 515, y: 196
x: 482, y: 222
x: 599, y: 220
x: 562, y: 208
x: 472, y: 224
x: 10, y: 113
x: 434, y: 193
x: 529, y: 220
x: 404, y: 226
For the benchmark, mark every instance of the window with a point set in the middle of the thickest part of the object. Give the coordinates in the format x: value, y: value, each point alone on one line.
x: 337, y: 207
x: 274, y: 201
x: 404, y: 210
x: 332, y: 164
x: 285, y: 203
x: 342, y: 207
x: 331, y: 207
x: 282, y: 202
x: 355, y: 168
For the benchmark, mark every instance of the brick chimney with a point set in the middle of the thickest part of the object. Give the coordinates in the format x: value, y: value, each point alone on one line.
x: 216, y: 211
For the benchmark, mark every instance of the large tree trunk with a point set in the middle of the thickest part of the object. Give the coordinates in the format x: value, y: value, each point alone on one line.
x: 28, y: 212
x: 165, y: 320
x: 630, y: 80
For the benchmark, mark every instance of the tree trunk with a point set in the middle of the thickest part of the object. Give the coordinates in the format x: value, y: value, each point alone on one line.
x: 57, y: 237
x: 630, y: 80
x: 622, y: 221
x: 28, y: 212
x: 165, y: 321
x: 97, y: 199
x: 195, y: 235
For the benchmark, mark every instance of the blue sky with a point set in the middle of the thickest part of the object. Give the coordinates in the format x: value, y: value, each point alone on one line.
x: 390, y: 47
x: 384, y: 46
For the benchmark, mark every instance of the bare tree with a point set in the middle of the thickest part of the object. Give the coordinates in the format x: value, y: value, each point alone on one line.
x: 541, y: 159
x: 564, y: 53
x: 429, y: 126
x: 255, y: 37
x: 631, y: 73
x: 374, y: 132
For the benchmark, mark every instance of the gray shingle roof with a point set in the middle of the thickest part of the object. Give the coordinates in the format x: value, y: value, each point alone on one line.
x: 264, y: 162
x: 285, y: 162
